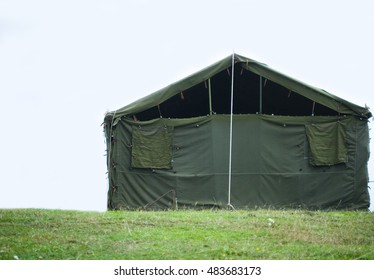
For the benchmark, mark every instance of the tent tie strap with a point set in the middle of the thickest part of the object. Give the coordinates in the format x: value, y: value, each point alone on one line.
x: 174, y: 200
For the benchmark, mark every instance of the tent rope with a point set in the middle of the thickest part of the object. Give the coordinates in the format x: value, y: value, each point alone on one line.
x: 231, y: 117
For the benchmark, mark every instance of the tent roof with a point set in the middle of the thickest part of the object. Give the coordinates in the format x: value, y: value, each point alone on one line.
x: 315, y: 94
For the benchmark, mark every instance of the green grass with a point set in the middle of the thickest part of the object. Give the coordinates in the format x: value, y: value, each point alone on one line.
x: 258, y: 234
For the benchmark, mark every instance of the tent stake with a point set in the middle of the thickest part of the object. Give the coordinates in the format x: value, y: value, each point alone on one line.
x: 231, y: 117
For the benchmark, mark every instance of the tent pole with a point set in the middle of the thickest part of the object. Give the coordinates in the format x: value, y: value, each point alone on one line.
x: 210, y: 97
x: 231, y: 117
x: 260, y: 94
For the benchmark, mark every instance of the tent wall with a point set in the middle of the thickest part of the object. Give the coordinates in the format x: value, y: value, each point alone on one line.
x: 271, y: 165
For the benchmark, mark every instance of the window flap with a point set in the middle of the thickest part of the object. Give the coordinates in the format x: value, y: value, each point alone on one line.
x: 326, y: 143
x: 152, y: 147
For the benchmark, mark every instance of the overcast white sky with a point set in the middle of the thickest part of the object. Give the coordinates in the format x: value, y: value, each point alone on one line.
x: 63, y: 64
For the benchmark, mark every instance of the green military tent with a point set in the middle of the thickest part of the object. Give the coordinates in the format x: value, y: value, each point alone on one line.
x: 238, y: 134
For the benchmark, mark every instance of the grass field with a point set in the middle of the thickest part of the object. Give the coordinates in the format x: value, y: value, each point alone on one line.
x: 203, y: 235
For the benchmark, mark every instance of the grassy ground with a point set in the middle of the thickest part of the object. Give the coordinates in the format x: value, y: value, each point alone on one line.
x: 260, y: 234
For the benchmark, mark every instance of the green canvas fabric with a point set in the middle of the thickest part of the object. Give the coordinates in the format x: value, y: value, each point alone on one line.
x: 151, y: 147
x: 326, y: 143
x: 270, y: 165
x: 278, y: 161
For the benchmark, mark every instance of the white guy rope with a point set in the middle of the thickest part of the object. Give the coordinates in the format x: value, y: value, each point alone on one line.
x: 231, y: 117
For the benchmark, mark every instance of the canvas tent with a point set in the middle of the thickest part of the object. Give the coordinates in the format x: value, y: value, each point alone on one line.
x: 238, y: 134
